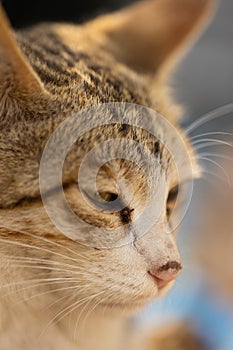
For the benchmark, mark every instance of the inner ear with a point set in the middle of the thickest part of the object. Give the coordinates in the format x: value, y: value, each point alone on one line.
x: 18, y: 81
x: 146, y: 35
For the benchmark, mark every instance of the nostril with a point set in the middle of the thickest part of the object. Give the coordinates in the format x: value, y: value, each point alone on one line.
x: 166, y: 273
x: 171, y: 265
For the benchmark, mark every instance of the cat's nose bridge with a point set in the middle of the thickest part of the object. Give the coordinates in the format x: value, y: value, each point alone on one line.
x: 160, y: 252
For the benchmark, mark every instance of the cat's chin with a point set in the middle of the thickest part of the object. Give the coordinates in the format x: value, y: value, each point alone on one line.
x: 130, y: 307
x: 126, y: 308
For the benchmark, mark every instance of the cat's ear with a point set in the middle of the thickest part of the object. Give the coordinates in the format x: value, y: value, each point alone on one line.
x: 154, y: 33
x: 18, y: 81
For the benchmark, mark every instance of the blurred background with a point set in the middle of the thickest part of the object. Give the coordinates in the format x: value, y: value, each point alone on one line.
x: 200, y: 306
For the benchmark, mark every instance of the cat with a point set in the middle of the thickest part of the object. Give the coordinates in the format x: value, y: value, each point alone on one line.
x: 55, y: 292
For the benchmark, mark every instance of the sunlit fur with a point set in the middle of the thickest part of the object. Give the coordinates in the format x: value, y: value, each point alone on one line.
x: 56, y: 293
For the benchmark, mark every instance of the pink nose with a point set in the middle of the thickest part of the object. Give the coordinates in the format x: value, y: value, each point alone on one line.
x: 166, y: 273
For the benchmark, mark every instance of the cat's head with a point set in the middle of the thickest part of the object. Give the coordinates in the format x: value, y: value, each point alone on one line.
x: 50, y: 73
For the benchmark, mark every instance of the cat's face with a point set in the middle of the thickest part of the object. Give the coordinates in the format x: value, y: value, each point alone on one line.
x: 52, y: 74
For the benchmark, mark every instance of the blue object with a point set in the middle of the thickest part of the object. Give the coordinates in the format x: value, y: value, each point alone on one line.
x: 192, y: 300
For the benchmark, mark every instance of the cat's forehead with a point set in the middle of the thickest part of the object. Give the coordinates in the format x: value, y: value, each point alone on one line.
x: 137, y: 136
x: 79, y: 73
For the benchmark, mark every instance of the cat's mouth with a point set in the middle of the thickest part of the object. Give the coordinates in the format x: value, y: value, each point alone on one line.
x: 162, y: 284
x: 139, y: 303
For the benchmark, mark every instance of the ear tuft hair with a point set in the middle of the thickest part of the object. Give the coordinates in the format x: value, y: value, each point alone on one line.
x: 18, y: 82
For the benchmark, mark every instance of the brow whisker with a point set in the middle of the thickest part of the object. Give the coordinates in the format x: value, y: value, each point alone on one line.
x: 216, y: 141
x: 217, y: 113
x: 211, y: 133
x: 204, y: 171
x: 219, y: 166
x: 216, y: 155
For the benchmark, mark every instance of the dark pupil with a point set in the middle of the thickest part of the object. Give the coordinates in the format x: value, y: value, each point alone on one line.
x: 108, y: 196
x: 173, y: 194
x: 172, y: 197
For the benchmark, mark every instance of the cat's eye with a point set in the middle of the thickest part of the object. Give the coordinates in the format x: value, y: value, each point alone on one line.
x: 108, y: 196
x: 173, y: 194
x: 171, y: 199
x: 104, y: 200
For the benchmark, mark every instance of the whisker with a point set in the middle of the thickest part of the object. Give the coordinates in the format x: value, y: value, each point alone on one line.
x: 49, y: 324
x: 211, y: 133
x: 219, y: 166
x: 79, y: 273
x: 7, y: 241
x: 38, y: 283
x: 217, y: 155
x: 217, y: 141
x: 57, y: 301
x: 78, y: 319
x: 50, y: 242
x: 42, y: 261
x: 91, y: 310
x: 82, y: 301
x: 209, y: 144
x: 65, y: 312
x: 48, y: 292
x: 204, y: 171
x: 217, y: 113
x: 42, y: 285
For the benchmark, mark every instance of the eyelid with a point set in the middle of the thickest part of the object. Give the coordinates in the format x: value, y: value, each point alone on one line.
x: 100, y: 203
